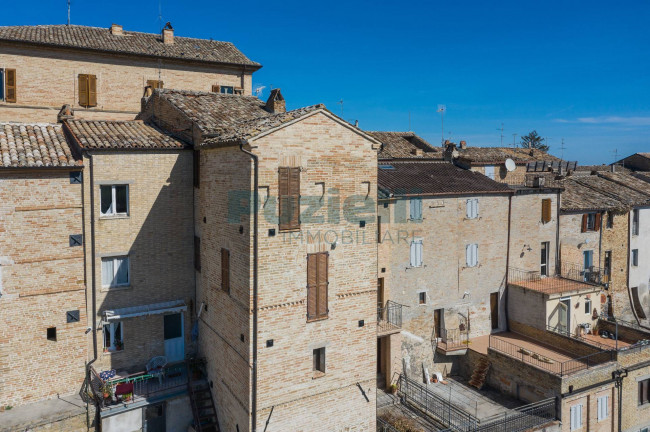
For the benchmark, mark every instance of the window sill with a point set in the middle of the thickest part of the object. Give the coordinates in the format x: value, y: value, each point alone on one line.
x: 310, y: 320
x: 288, y: 230
x: 117, y: 216
x: 318, y: 374
x: 116, y: 288
x: 113, y: 352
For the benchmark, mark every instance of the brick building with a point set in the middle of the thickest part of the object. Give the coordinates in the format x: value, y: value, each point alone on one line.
x: 102, y: 73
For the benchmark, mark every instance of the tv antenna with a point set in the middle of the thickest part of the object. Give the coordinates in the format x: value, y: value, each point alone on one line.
x: 501, y: 129
x: 562, y: 147
x: 258, y: 90
x: 514, y: 138
x: 68, y: 12
x: 441, y: 110
x: 160, y: 19
x: 409, y: 121
x: 341, y: 103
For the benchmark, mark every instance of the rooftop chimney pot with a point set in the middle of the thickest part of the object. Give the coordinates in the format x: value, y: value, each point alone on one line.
x: 116, y: 29
x: 168, y: 34
x: 66, y: 113
x: 275, y: 103
x: 463, y: 144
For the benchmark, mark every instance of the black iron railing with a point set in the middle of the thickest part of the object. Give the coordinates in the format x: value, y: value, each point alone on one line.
x: 454, y: 338
x: 523, y: 418
x: 541, y: 361
x: 580, y: 273
x: 389, y: 317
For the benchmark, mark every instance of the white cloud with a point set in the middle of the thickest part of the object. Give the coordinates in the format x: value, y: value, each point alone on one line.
x: 609, y: 120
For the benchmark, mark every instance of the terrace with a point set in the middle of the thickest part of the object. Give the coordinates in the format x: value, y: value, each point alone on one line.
x: 571, y: 278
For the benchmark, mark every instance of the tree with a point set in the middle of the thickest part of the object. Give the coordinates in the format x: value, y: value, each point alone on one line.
x: 533, y: 140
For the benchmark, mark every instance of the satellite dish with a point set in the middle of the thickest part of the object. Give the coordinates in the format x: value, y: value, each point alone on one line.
x: 510, y: 165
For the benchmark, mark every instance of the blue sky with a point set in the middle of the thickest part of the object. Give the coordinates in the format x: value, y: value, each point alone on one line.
x: 572, y: 70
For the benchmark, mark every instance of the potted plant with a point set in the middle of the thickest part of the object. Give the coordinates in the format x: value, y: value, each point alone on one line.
x: 119, y: 345
x: 107, y: 390
x: 392, y: 388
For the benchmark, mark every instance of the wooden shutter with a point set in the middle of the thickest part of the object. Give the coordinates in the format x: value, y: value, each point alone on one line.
x: 10, y: 85
x: 597, y: 223
x: 225, y: 270
x: 83, y: 90
x: 317, y: 284
x: 546, y: 210
x: 289, y: 193
x: 92, y: 90
x: 215, y: 89
x: 584, y: 222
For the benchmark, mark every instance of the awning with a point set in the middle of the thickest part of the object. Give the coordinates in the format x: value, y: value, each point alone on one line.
x: 144, y: 310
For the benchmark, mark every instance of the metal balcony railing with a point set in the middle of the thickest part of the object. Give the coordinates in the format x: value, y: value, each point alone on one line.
x: 389, y: 317
x: 453, y: 338
x: 580, y: 273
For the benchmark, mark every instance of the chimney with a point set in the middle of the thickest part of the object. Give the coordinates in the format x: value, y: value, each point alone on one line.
x: 275, y: 103
x: 168, y: 34
x: 116, y: 29
x: 417, y: 152
x: 463, y: 145
x: 66, y: 113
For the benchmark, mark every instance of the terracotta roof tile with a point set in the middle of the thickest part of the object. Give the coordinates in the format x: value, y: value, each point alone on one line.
x: 401, y: 178
x: 120, y: 135
x: 149, y: 44
x: 405, y: 145
x: 39, y: 145
x: 494, y: 155
x: 600, y: 192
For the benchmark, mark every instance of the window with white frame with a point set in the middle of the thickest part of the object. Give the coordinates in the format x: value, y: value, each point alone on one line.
x: 115, y: 271
x: 635, y: 222
x: 416, y: 253
x: 576, y: 417
x: 416, y: 209
x: 472, y: 208
x: 471, y: 255
x: 635, y: 257
x: 587, y: 306
x: 113, y: 339
x: 114, y: 200
x: 603, y: 406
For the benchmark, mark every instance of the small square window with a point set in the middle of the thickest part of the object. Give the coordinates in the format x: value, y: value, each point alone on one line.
x: 422, y: 298
x: 587, y: 306
x: 319, y: 360
x: 635, y: 257
x: 51, y: 334
x: 114, y: 200
x: 115, y: 271
x: 227, y: 89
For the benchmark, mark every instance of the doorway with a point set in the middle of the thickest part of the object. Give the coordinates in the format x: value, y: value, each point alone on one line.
x: 380, y: 292
x: 564, y: 317
x: 437, y: 322
x: 494, y: 310
x: 383, y: 361
x: 174, y: 340
x: 543, y: 268
x: 588, y: 258
x: 154, y: 418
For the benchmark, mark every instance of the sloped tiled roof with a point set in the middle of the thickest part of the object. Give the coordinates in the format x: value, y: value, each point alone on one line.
x: 136, y: 43
x: 595, y: 192
x: 494, y: 155
x: 401, y: 178
x: 405, y: 145
x: 39, y: 145
x: 225, y: 117
x: 121, y: 135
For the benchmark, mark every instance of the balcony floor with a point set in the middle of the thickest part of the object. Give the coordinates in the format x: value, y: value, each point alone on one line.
x: 555, y: 285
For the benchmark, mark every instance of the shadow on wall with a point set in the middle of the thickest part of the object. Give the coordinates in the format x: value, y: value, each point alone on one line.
x: 160, y: 268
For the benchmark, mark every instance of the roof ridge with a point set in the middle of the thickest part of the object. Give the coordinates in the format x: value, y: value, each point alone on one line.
x: 29, y: 123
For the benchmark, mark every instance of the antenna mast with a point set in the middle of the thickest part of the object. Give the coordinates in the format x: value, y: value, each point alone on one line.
x: 514, y: 138
x: 441, y: 110
x: 160, y: 19
x: 562, y: 150
x: 341, y: 103
x: 501, y: 129
x: 68, y: 12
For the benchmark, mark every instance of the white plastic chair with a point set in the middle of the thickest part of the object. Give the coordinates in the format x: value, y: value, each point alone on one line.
x: 156, y: 367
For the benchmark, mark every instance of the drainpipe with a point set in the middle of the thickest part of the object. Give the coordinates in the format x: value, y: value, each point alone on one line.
x: 508, y: 259
x: 93, y: 275
x: 255, y: 262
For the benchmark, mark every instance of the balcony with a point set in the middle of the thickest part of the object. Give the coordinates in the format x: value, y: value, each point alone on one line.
x: 453, y: 340
x: 571, y: 277
x: 389, y: 318
x: 125, y: 391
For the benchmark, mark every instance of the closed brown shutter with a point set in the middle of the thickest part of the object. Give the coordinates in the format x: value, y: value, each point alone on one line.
x: 10, y: 85
x: 215, y: 89
x: 584, y: 222
x: 597, y: 223
x: 92, y: 90
x: 83, y: 90
x: 225, y: 270
x: 317, y: 281
x: 289, y: 193
x: 546, y: 210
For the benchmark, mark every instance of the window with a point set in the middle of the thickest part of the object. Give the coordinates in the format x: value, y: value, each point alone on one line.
x: 635, y: 257
x: 51, y: 334
x: 608, y: 264
x: 422, y: 298
x: 155, y: 84
x: 644, y: 391
x: 471, y: 255
x: 587, y: 306
x: 114, y: 200
x: 546, y: 210
x: 317, y: 281
x: 576, y: 417
x: 416, y: 209
x: 197, y: 253
x: 113, y: 337
x: 378, y: 229
x: 603, y: 407
x: 610, y: 220
x: 225, y: 270
x: 635, y: 222
x: 590, y: 222
x: 489, y: 171
x: 8, y: 85
x: 226, y: 89
x: 543, y: 269
x: 289, y: 194
x: 87, y: 90
x: 416, y: 253
x: 115, y: 271
x: 319, y: 360
x: 472, y: 208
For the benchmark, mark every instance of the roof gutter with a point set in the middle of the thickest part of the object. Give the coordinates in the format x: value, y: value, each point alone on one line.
x: 255, y: 279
